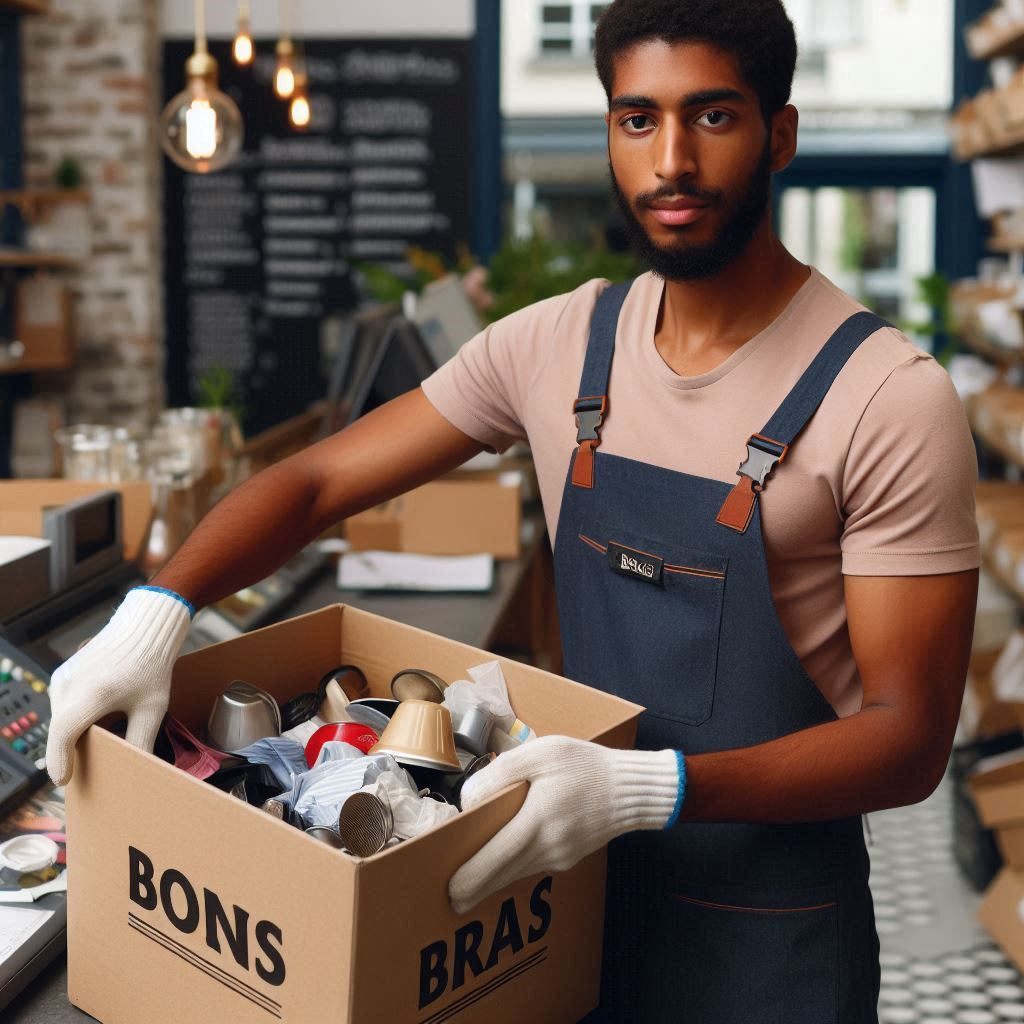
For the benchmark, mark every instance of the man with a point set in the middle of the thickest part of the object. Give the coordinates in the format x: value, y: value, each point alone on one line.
x: 799, y: 632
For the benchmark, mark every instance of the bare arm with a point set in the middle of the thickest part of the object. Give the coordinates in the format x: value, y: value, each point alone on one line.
x: 259, y: 526
x: 911, y: 637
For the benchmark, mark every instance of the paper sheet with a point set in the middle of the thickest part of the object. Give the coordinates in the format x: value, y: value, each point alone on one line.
x: 16, y: 925
x: 391, y: 570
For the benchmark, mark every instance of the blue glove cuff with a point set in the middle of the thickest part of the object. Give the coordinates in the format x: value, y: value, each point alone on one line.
x: 681, y: 794
x: 170, y: 593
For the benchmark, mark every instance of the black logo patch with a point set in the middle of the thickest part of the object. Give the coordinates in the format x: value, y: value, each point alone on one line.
x: 637, y: 565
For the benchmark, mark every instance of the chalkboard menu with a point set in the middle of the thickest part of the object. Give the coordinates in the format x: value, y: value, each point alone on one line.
x: 260, y: 253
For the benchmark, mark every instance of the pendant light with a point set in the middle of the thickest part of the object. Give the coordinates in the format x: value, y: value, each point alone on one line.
x: 242, y: 48
x: 298, y: 109
x: 284, y: 75
x: 201, y: 128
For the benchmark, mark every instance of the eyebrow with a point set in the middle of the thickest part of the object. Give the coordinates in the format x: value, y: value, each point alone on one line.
x: 694, y: 99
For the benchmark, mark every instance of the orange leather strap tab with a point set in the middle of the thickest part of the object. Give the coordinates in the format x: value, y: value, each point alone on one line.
x: 739, y: 506
x: 583, y: 465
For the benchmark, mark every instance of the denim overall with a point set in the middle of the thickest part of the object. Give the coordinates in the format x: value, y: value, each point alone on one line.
x: 664, y: 600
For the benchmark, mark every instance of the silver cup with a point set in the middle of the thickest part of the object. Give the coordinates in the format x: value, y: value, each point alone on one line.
x: 241, y: 715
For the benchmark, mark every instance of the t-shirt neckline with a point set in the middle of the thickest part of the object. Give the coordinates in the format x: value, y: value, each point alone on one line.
x: 671, y: 379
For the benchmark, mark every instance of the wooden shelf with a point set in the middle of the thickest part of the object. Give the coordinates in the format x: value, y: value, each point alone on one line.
x: 1007, y: 42
x: 31, y: 200
x: 994, y: 440
x: 26, y: 6
x: 1005, y: 245
x: 972, y: 336
x: 11, y: 257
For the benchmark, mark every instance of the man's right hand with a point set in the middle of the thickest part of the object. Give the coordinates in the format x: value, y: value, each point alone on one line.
x: 126, y: 667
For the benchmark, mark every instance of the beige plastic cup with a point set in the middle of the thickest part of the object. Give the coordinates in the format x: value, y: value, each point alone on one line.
x: 420, y: 733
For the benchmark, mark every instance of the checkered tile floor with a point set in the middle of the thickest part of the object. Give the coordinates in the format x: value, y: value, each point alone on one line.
x: 938, y: 965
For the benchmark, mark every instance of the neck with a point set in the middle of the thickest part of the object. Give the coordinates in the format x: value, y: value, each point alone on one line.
x: 701, y: 323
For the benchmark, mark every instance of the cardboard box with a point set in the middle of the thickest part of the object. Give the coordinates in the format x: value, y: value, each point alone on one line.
x: 997, y: 787
x: 983, y: 715
x: 193, y: 906
x: 1001, y: 914
x: 446, y: 517
x: 999, y: 505
x: 22, y: 503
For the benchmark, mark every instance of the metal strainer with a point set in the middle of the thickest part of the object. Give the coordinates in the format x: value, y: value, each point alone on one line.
x: 365, y: 824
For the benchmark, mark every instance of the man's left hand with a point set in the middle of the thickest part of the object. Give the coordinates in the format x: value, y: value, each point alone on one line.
x: 582, y: 796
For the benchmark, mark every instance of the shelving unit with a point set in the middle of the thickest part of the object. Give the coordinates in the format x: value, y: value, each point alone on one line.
x: 30, y: 201
x: 29, y: 258
x: 26, y: 6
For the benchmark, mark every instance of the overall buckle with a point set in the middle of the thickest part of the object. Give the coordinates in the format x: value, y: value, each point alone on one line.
x: 763, y: 455
x: 589, y: 417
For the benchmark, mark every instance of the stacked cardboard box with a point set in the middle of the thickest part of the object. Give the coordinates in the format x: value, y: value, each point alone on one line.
x: 997, y: 786
x: 478, y: 514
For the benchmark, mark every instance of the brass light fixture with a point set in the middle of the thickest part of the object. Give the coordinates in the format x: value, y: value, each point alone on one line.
x: 201, y: 128
x: 284, y: 75
x: 242, y: 48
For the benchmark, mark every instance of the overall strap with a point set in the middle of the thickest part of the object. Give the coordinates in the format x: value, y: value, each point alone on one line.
x: 592, y: 405
x: 767, y: 449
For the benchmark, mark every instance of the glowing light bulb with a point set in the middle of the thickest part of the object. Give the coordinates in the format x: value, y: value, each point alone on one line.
x: 298, y: 111
x: 284, y: 76
x: 242, y: 49
x: 284, y: 81
x: 201, y: 129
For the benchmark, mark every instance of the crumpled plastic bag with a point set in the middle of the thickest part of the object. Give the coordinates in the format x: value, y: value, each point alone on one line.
x: 414, y: 814
x: 317, y: 795
x: 489, y: 691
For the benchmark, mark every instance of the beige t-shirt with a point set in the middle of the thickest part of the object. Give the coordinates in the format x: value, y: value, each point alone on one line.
x: 880, y: 483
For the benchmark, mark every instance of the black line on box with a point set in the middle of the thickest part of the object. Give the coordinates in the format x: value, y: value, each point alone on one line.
x: 209, y: 969
x: 504, y: 978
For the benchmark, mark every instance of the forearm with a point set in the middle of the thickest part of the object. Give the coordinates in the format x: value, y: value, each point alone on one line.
x: 851, y: 766
x: 248, y: 535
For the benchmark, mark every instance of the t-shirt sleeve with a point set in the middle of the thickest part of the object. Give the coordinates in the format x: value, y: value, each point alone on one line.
x: 483, y: 389
x: 910, y: 478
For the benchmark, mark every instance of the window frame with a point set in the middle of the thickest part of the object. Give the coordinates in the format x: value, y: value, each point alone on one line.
x: 578, y: 31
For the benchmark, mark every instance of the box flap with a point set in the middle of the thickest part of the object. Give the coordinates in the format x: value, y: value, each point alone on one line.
x: 550, y: 704
x: 285, y: 659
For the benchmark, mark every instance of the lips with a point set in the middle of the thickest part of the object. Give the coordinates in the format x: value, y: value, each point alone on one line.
x: 679, y: 212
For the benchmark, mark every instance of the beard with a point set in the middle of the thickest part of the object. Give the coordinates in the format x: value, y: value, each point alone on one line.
x: 691, y: 262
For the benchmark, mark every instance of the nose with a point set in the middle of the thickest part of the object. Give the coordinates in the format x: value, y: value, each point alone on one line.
x: 674, y: 155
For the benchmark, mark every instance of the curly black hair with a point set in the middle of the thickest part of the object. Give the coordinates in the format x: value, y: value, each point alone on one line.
x: 757, y: 32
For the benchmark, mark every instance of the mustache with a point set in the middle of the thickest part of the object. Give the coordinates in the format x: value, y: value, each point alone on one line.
x: 682, y: 190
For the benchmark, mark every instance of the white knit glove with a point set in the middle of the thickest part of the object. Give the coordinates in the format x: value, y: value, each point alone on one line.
x: 581, y: 797
x: 126, y: 667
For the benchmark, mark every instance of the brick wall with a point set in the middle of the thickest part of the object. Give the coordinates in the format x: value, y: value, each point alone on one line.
x: 91, y: 90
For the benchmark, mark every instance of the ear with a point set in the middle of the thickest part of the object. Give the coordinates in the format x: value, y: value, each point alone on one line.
x: 784, y: 137
x: 607, y: 120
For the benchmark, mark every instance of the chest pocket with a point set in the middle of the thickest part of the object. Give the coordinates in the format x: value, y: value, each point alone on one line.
x: 644, y: 620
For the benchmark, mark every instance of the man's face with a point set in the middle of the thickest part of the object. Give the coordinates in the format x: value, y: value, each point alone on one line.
x: 691, y: 157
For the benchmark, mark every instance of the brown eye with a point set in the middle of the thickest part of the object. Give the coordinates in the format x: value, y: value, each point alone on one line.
x: 716, y: 118
x: 637, y: 122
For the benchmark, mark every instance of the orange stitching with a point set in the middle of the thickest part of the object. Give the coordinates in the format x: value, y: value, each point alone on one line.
x: 752, y: 910
x: 646, y: 554
x: 688, y: 570
x: 708, y: 573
